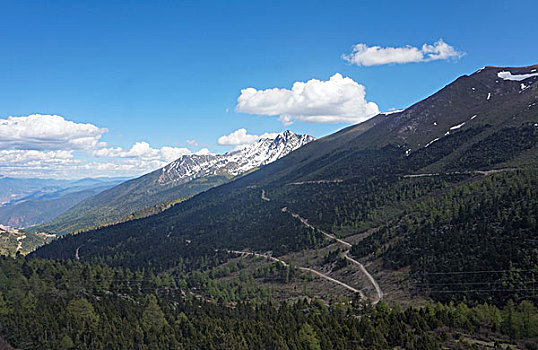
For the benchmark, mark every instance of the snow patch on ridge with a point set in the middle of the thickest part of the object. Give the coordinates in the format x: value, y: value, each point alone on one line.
x: 455, y: 127
x: 432, y: 141
x: 505, y: 75
x: 394, y: 111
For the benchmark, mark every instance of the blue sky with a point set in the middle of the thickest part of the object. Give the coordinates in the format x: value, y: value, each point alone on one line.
x: 164, y: 72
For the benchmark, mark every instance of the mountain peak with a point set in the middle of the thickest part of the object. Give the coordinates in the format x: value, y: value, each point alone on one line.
x: 234, y: 163
x: 513, y: 70
x: 287, y: 134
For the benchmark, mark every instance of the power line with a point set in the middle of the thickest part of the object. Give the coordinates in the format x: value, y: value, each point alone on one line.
x: 472, y: 272
x: 483, y: 290
x: 425, y: 284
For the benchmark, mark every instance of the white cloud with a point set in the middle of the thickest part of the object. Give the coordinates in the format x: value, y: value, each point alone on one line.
x: 241, y: 137
x: 238, y: 137
x: 65, y: 164
x: 364, y: 55
x: 144, y: 151
x: 47, y: 132
x: 192, y: 142
x: 269, y: 135
x: 50, y: 146
x: 33, y: 163
x: 32, y: 157
x: 337, y: 100
x: 203, y: 152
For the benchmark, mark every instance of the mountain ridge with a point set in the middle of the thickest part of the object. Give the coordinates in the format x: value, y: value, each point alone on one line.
x: 234, y: 163
x: 347, y: 184
x: 187, y: 176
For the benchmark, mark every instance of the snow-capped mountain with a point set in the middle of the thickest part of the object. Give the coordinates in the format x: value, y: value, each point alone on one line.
x: 265, y: 151
x: 185, y: 177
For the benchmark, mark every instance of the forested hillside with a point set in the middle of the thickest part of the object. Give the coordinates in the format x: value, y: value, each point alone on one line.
x: 65, y: 305
x: 357, y: 182
x: 268, y: 175
x: 475, y: 242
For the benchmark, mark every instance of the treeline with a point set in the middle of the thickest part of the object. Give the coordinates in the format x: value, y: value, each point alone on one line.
x: 68, y: 305
x: 475, y: 242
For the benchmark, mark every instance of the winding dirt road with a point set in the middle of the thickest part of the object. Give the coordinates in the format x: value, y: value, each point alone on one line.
x: 470, y: 172
x: 348, y: 245
x: 76, y: 252
x: 371, y: 279
x: 307, y: 224
x: 317, y: 273
x: 264, y: 197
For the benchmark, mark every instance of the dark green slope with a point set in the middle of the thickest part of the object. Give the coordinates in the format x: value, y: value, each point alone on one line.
x: 410, y: 130
x: 476, y: 241
x: 67, y: 305
x: 362, y: 175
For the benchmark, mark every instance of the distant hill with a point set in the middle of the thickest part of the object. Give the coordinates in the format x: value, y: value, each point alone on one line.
x: 15, y: 189
x: 374, y: 183
x: 29, y: 202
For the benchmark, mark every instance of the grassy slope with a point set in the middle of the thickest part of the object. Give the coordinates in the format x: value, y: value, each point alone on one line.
x: 14, y: 240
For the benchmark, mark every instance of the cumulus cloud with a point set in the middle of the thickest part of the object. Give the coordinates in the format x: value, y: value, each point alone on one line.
x: 337, y: 100
x: 33, y: 157
x: 364, y: 55
x: 237, y: 137
x: 241, y: 137
x: 135, y: 161
x: 47, y: 132
x: 34, y: 163
x: 145, y: 151
x: 203, y: 152
x: 50, y: 146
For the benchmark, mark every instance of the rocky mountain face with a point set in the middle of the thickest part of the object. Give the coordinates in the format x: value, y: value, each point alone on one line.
x: 187, y: 176
x: 498, y: 96
x: 263, y: 152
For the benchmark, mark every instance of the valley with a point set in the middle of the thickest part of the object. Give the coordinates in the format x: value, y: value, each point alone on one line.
x: 272, y: 175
